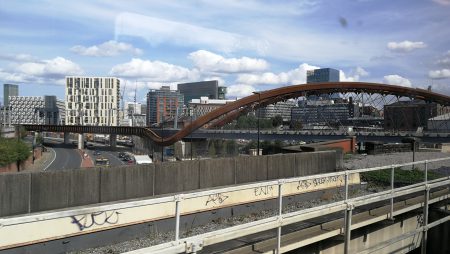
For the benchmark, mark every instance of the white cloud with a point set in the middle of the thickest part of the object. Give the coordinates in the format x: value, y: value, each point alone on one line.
x: 18, y: 58
x: 354, y: 75
x: 439, y: 74
x: 445, y: 60
x: 109, y: 48
x: 58, y: 67
x: 210, y: 62
x: 405, y: 46
x: 442, y: 2
x: 397, y: 80
x: 295, y: 76
x: 155, y: 71
x: 239, y: 91
x: 158, y: 31
x: 50, y: 71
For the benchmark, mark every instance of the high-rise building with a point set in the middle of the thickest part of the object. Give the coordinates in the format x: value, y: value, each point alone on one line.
x: 322, y: 75
x: 92, y: 101
x: 222, y: 92
x: 9, y: 90
x: 36, y: 110
x: 196, y: 90
x: 164, y: 105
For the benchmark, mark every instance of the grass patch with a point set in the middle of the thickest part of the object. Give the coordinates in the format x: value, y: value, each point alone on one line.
x: 401, y: 177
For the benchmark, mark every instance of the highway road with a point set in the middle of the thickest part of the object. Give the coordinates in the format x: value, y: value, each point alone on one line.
x: 112, y: 156
x: 67, y: 157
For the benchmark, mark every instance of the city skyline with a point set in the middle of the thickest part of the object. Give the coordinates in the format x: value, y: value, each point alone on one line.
x: 247, y: 46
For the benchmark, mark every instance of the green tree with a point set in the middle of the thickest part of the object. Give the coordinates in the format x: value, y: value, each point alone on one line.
x: 277, y: 121
x: 13, y: 150
x: 296, y: 125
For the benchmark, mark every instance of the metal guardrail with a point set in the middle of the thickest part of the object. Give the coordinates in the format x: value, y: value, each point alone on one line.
x: 174, y: 206
x: 195, y: 243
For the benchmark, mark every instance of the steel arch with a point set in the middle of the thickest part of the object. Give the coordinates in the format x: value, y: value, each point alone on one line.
x: 287, y: 92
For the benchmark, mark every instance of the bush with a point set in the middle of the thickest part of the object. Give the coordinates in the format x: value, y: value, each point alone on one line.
x: 13, y: 150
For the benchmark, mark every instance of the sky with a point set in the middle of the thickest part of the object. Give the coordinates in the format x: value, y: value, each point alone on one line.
x: 246, y: 45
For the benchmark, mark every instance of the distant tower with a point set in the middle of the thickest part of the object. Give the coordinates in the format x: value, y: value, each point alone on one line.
x: 9, y: 90
x: 322, y: 75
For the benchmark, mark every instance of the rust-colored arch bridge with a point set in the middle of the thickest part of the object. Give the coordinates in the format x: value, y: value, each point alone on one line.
x: 232, y: 110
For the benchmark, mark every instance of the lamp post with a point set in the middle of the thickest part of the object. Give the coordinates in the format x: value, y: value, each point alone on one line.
x: 259, y: 112
x: 162, y: 135
x: 193, y: 113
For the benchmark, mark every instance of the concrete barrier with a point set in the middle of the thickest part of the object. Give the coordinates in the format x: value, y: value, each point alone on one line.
x: 251, y: 169
x: 280, y: 166
x: 126, y: 182
x: 39, y: 191
x: 50, y: 190
x: 315, y: 163
x: 14, y: 193
x: 176, y: 177
x: 84, y: 187
x: 218, y: 172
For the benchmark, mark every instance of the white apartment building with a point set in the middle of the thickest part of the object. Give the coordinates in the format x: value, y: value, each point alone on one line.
x: 92, y: 101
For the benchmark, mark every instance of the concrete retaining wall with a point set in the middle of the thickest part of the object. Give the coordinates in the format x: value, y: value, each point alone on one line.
x: 23, y: 192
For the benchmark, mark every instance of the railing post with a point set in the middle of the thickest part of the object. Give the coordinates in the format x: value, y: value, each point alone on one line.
x: 348, y: 227
x: 425, y: 220
x: 391, y: 214
x: 177, y: 199
x: 346, y: 185
x: 426, y: 171
x: 280, y: 213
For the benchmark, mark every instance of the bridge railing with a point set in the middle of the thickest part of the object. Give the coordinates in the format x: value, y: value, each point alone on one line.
x: 347, y: 205
x: 26, y: 229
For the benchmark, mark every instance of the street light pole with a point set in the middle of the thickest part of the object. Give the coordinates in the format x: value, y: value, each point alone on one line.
x: 162, y: 136
x: 259, y: 112
x: 193, y: 113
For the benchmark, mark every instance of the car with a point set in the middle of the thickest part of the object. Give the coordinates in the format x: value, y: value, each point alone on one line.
x: 101, y: 161
x: 97, y: 152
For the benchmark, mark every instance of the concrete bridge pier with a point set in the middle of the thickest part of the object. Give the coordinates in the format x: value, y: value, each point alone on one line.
x: 81, y: 141
x: 66, y: 138
x: 113, y: 140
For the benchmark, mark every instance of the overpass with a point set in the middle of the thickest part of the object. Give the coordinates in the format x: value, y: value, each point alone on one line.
x: 377, y: 95
x: 359, y: 212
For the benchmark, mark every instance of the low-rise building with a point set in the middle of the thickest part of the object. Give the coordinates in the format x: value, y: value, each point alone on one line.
x: 204, y: 105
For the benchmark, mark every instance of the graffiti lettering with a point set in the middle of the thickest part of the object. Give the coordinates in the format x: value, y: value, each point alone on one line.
x: 216, y: 199
x: 99, y: 218
x: 305, y: 184
x: 265, y: 190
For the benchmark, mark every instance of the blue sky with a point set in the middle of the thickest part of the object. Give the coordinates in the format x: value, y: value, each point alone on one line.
x: 246, y: 45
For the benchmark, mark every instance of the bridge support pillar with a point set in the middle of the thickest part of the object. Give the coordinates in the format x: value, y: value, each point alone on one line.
x: 81, y: 141
x: 113, y: 140
x: 66, y: 138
